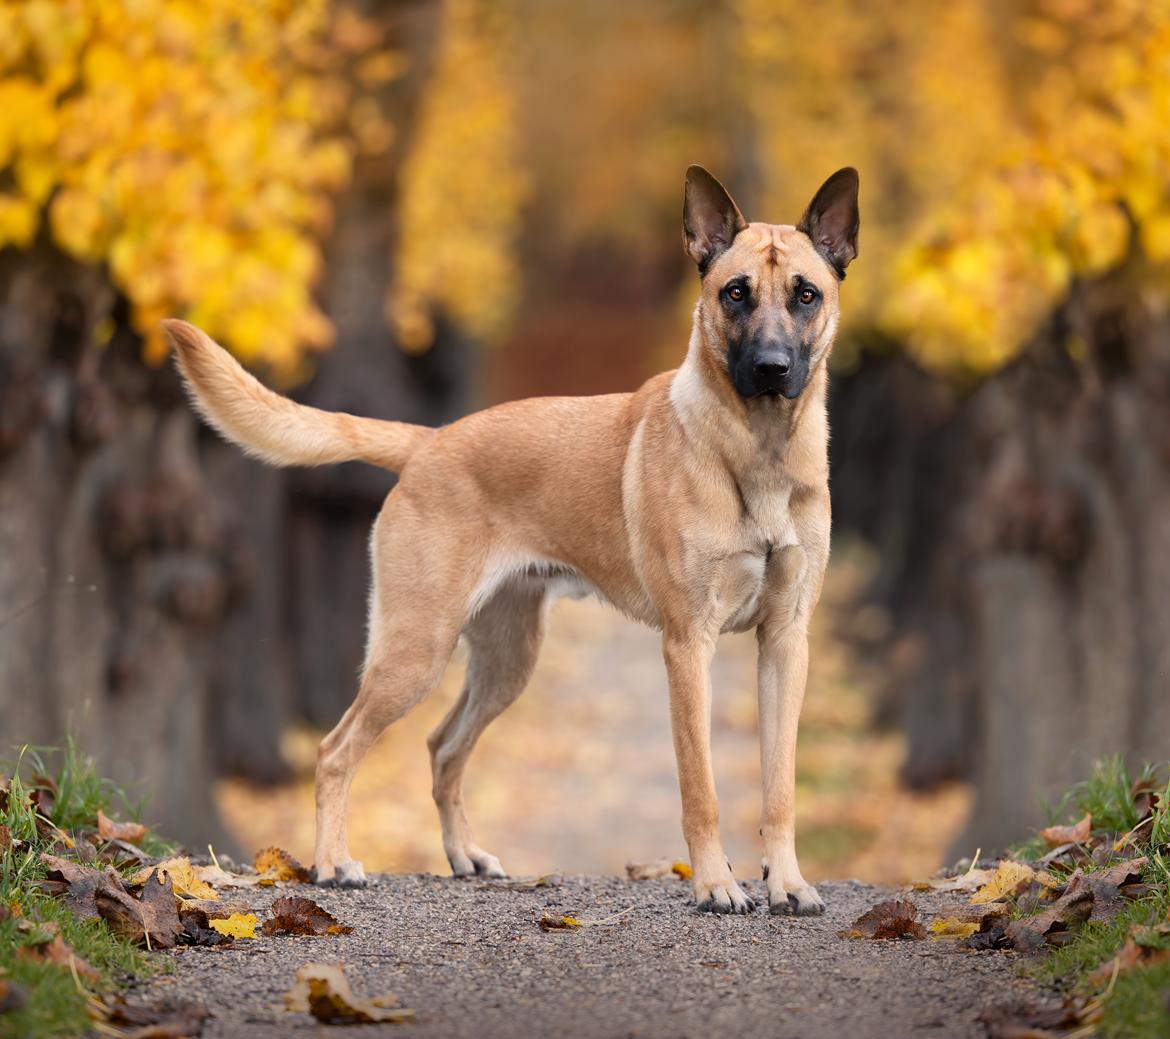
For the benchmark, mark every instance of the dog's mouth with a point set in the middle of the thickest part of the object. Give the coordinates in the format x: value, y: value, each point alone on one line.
x: 789, y: 386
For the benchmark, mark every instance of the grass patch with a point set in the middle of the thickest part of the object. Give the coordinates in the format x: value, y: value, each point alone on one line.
x: 1136, y: 1002
x: 54, y: 998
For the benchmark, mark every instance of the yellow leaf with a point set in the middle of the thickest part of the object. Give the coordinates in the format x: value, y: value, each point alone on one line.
x: 238, y: 925
x: 952, y: 927
x: 681, y: 870
x: 278, y: 865
x: 1008, y: 877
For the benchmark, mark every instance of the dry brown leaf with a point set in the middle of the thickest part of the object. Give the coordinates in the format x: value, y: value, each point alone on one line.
x: 112, y: 831
x: 894, y: 919
x: 1053, y: 926
x: 1006, y: 882
x: 12, y: 996
x: 218, y: 877
x: 152, y: 919
x: 1109, y: 886
x: 294, y: 915
x: 169, y: 1019
x: 322, y: 990
x: 1130, y: 955
x: 557, y: 922
x: 649, y: 870
x: 1077, y: 833
x: 278, y: 865
x: 965, y: 883
x: 56, y: 950
x: 213, y: 910
x: 80, y: 884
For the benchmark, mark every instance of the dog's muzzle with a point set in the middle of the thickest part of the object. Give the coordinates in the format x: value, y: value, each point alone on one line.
x: 771, y: 371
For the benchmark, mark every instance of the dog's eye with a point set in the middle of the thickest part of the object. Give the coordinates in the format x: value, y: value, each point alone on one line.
x: 736, y: 293
x: 807, y: 296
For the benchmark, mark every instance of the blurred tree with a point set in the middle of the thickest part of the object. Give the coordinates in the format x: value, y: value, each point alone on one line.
x: 192, y: 148
x: 185, y: 157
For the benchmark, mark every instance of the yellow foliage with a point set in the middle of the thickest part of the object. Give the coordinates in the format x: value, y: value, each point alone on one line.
x: 191, y: 146
x: 238, y: 925
x: 1008, y: 878
x: 1005, y: 151
x: 952, y: 927
x: 461, y: 187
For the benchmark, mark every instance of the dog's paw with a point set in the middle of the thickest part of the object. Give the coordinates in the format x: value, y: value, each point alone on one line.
x: 804, y: 901
x: 345, y: 874
x: 724, y: 897
x: 476, y: 862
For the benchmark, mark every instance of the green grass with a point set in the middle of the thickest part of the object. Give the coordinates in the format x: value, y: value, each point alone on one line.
x: 1136, y: 1004
x: 55, y: 1001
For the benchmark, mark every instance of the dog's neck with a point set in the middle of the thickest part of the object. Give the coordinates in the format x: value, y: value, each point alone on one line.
x: 756, y: 436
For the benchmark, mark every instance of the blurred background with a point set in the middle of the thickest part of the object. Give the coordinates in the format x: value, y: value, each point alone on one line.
x: 415, y: 209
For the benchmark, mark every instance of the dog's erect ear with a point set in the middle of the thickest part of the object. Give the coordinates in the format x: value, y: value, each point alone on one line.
x: 711, y: 220
x: 831, y: 219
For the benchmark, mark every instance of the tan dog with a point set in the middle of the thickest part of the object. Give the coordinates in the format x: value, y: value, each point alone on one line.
x: 698, y: 504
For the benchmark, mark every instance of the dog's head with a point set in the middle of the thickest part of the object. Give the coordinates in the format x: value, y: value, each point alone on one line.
x: 769, y: 305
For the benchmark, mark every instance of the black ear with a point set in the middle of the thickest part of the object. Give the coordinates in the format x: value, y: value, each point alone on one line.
x: 831, y: 219
x: 711, y: 220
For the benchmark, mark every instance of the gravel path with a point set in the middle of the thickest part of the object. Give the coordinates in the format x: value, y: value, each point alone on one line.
x: 470, y: 958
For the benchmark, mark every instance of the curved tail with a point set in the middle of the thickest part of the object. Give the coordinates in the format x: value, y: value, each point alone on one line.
x: 273, y: 428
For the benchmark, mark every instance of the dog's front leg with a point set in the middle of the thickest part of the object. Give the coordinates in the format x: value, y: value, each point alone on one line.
x: 688, y: 666
x: 783, y: 670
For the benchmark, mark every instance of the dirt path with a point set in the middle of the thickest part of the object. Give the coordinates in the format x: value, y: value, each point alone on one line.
x: 470, y: 958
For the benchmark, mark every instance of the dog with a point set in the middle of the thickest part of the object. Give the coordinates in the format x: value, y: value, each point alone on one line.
x: 698, y: 504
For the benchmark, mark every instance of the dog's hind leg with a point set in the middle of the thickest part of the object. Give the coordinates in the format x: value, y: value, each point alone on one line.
x: 417, y: 611
x: 503, y: 642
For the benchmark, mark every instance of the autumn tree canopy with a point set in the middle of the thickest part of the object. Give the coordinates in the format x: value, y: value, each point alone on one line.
x: 1006, y: 151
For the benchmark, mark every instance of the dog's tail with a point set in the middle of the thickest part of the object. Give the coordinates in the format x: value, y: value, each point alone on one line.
x: 273, y: 428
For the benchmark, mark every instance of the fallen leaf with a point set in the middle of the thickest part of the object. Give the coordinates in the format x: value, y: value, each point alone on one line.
x: 1006, y: 882
x: 238, y: 925
x: 952, y: 927
x: 294, y: 915
x: 524, y: 883
x: 894, y: 919
x: 197, y: 929
x: 556, y: 922
x: 112, y: 831
x: 151, y: 919
x: 1027, y: 1021
x: 214, y: 910
x: 219, y: 877
x: 1053, y: 926
x: 1109, y: 886
x: 183, y: 878
x: 12, y: 996
x: 1077, y: 833
x: 81, y: 884
x: 168, y: 1019
x: 56, y: 950
x: 1130, y: 955
x: 277, y: 864
x: 5, y: 838
x: 43, y: 794
x: 322, y: 990
x: 965, y: 883
x: 681, y: 870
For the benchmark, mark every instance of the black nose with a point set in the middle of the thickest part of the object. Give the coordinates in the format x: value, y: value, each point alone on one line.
x: 773, y: 366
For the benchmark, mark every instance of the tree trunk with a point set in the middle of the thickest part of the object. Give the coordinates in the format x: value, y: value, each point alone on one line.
x: 1032, y: 594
